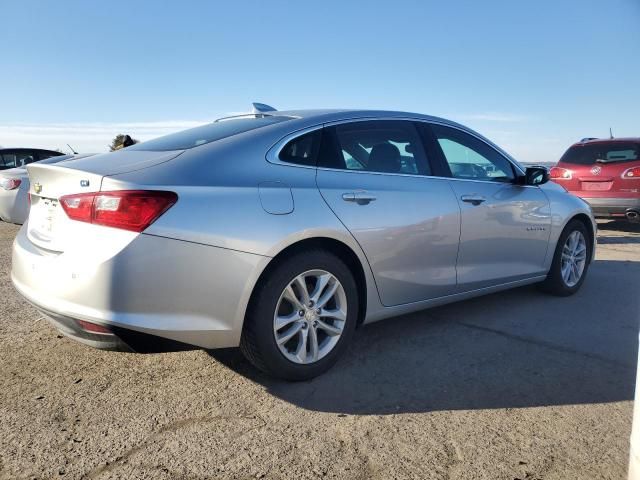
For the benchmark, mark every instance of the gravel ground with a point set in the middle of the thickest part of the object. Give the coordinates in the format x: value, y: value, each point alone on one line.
x: 516, y: 385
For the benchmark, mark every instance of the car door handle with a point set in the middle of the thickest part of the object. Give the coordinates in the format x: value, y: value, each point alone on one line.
x: 473, y: 199
x: 361, y: 198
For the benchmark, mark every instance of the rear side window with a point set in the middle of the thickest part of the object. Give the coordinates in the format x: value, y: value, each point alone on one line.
x: 302, y: 150
x: 602, y: 153
x: 195, y: 137
x: 384, y: 146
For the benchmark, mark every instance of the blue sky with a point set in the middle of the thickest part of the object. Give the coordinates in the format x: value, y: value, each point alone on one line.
x: 533, y: 76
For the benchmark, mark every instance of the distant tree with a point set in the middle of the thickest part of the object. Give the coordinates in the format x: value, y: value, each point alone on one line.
x: 122, y: 141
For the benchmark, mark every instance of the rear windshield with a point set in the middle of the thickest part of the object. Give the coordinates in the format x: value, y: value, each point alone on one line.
x: 50, y: 160
x: 195, y: 137
x: 602, y: 153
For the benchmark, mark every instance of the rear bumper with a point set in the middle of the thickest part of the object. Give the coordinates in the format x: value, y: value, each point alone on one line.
x: 70, y: 327
x: 612, y: 207
x: 151, y: 286
x: 118, y: 339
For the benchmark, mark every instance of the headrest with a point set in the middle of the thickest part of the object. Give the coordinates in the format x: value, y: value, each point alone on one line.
x: 385, y: 157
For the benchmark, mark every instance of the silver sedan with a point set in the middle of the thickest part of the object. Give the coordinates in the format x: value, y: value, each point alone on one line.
x: 282, y: 231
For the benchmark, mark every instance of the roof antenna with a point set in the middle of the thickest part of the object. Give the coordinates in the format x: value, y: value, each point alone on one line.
x: 71, y: 148
x: 259, y: 108
x: 610, y: 133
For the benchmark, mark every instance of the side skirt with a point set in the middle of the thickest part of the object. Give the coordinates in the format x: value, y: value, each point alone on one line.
x: 386, y: 312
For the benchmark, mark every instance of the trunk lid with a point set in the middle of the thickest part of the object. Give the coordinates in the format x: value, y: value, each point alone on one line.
x: 48, y: 226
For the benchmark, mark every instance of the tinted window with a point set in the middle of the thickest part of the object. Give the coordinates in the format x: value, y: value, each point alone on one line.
x: 195, y: 137
x: 42, y: 154
x: 601, y: 153
x: 470, y: 158
x: 302, y: 150
x: 8, y: 160
x: 386, y: 146
x: 17, y: 159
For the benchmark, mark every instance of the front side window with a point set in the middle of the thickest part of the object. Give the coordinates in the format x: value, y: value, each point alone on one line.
x: 471, y: 158
x: 385, y: 146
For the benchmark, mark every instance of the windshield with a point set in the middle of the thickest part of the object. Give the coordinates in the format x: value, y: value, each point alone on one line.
x: 602, y: 153
x: 211, y: 132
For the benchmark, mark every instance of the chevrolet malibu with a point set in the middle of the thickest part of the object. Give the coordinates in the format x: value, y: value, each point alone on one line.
x: 282, y: 231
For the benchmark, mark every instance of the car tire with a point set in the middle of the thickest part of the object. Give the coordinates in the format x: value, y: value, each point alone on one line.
x: 556, y: 283
x: 271, y: 302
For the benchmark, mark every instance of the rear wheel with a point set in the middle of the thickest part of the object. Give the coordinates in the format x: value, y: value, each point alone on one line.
x: 570, y: 261
x: 301, y: 317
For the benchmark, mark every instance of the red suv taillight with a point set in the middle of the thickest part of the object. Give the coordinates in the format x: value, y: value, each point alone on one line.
x: 633, y: 172
x: 10, y: 183
x: 131, y: 210
x: 558, y: 172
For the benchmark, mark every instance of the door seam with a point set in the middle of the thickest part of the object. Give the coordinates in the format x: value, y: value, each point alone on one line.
x: 375, y: 283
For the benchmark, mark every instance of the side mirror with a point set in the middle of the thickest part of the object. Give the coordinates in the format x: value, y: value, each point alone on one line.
x: 535, y: 176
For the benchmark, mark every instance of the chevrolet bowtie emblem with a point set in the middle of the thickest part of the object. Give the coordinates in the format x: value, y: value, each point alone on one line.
x: 37, y: 187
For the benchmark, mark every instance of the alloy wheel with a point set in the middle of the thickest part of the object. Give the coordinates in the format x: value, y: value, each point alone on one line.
x: 574, y: 258
x: 310, y: 316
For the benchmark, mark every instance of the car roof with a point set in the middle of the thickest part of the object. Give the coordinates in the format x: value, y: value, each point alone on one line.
x: 307, y: 118
x: 328, y: 115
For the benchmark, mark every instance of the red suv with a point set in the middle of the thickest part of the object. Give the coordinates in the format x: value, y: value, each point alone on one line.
x: 605, y: 173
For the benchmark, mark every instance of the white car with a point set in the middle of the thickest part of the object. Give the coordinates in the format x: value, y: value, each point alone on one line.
x: 14, y: 189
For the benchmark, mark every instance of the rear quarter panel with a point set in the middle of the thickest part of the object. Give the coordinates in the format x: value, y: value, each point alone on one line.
x: 219, y: 204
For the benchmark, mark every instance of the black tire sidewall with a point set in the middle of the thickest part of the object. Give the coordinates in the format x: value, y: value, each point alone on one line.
x: 260, y: 317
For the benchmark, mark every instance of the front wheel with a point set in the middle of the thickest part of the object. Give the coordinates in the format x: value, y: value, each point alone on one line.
x: 570, y: 261
x: 301, y: 317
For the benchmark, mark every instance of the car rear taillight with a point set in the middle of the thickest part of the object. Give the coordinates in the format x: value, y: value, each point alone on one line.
x: 131, y: 210
x: 633, y: 172
x: 560, y: 173
x: 10, y: 183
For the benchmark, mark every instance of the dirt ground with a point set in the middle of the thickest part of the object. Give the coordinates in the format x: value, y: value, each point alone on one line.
x: 516, y: 385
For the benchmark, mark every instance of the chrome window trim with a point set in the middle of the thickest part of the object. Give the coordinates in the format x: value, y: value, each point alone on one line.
x: 273, y: 154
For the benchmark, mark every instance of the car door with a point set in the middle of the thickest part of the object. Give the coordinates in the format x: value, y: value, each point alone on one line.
x: 505, y: 225
x: 374, y: 176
